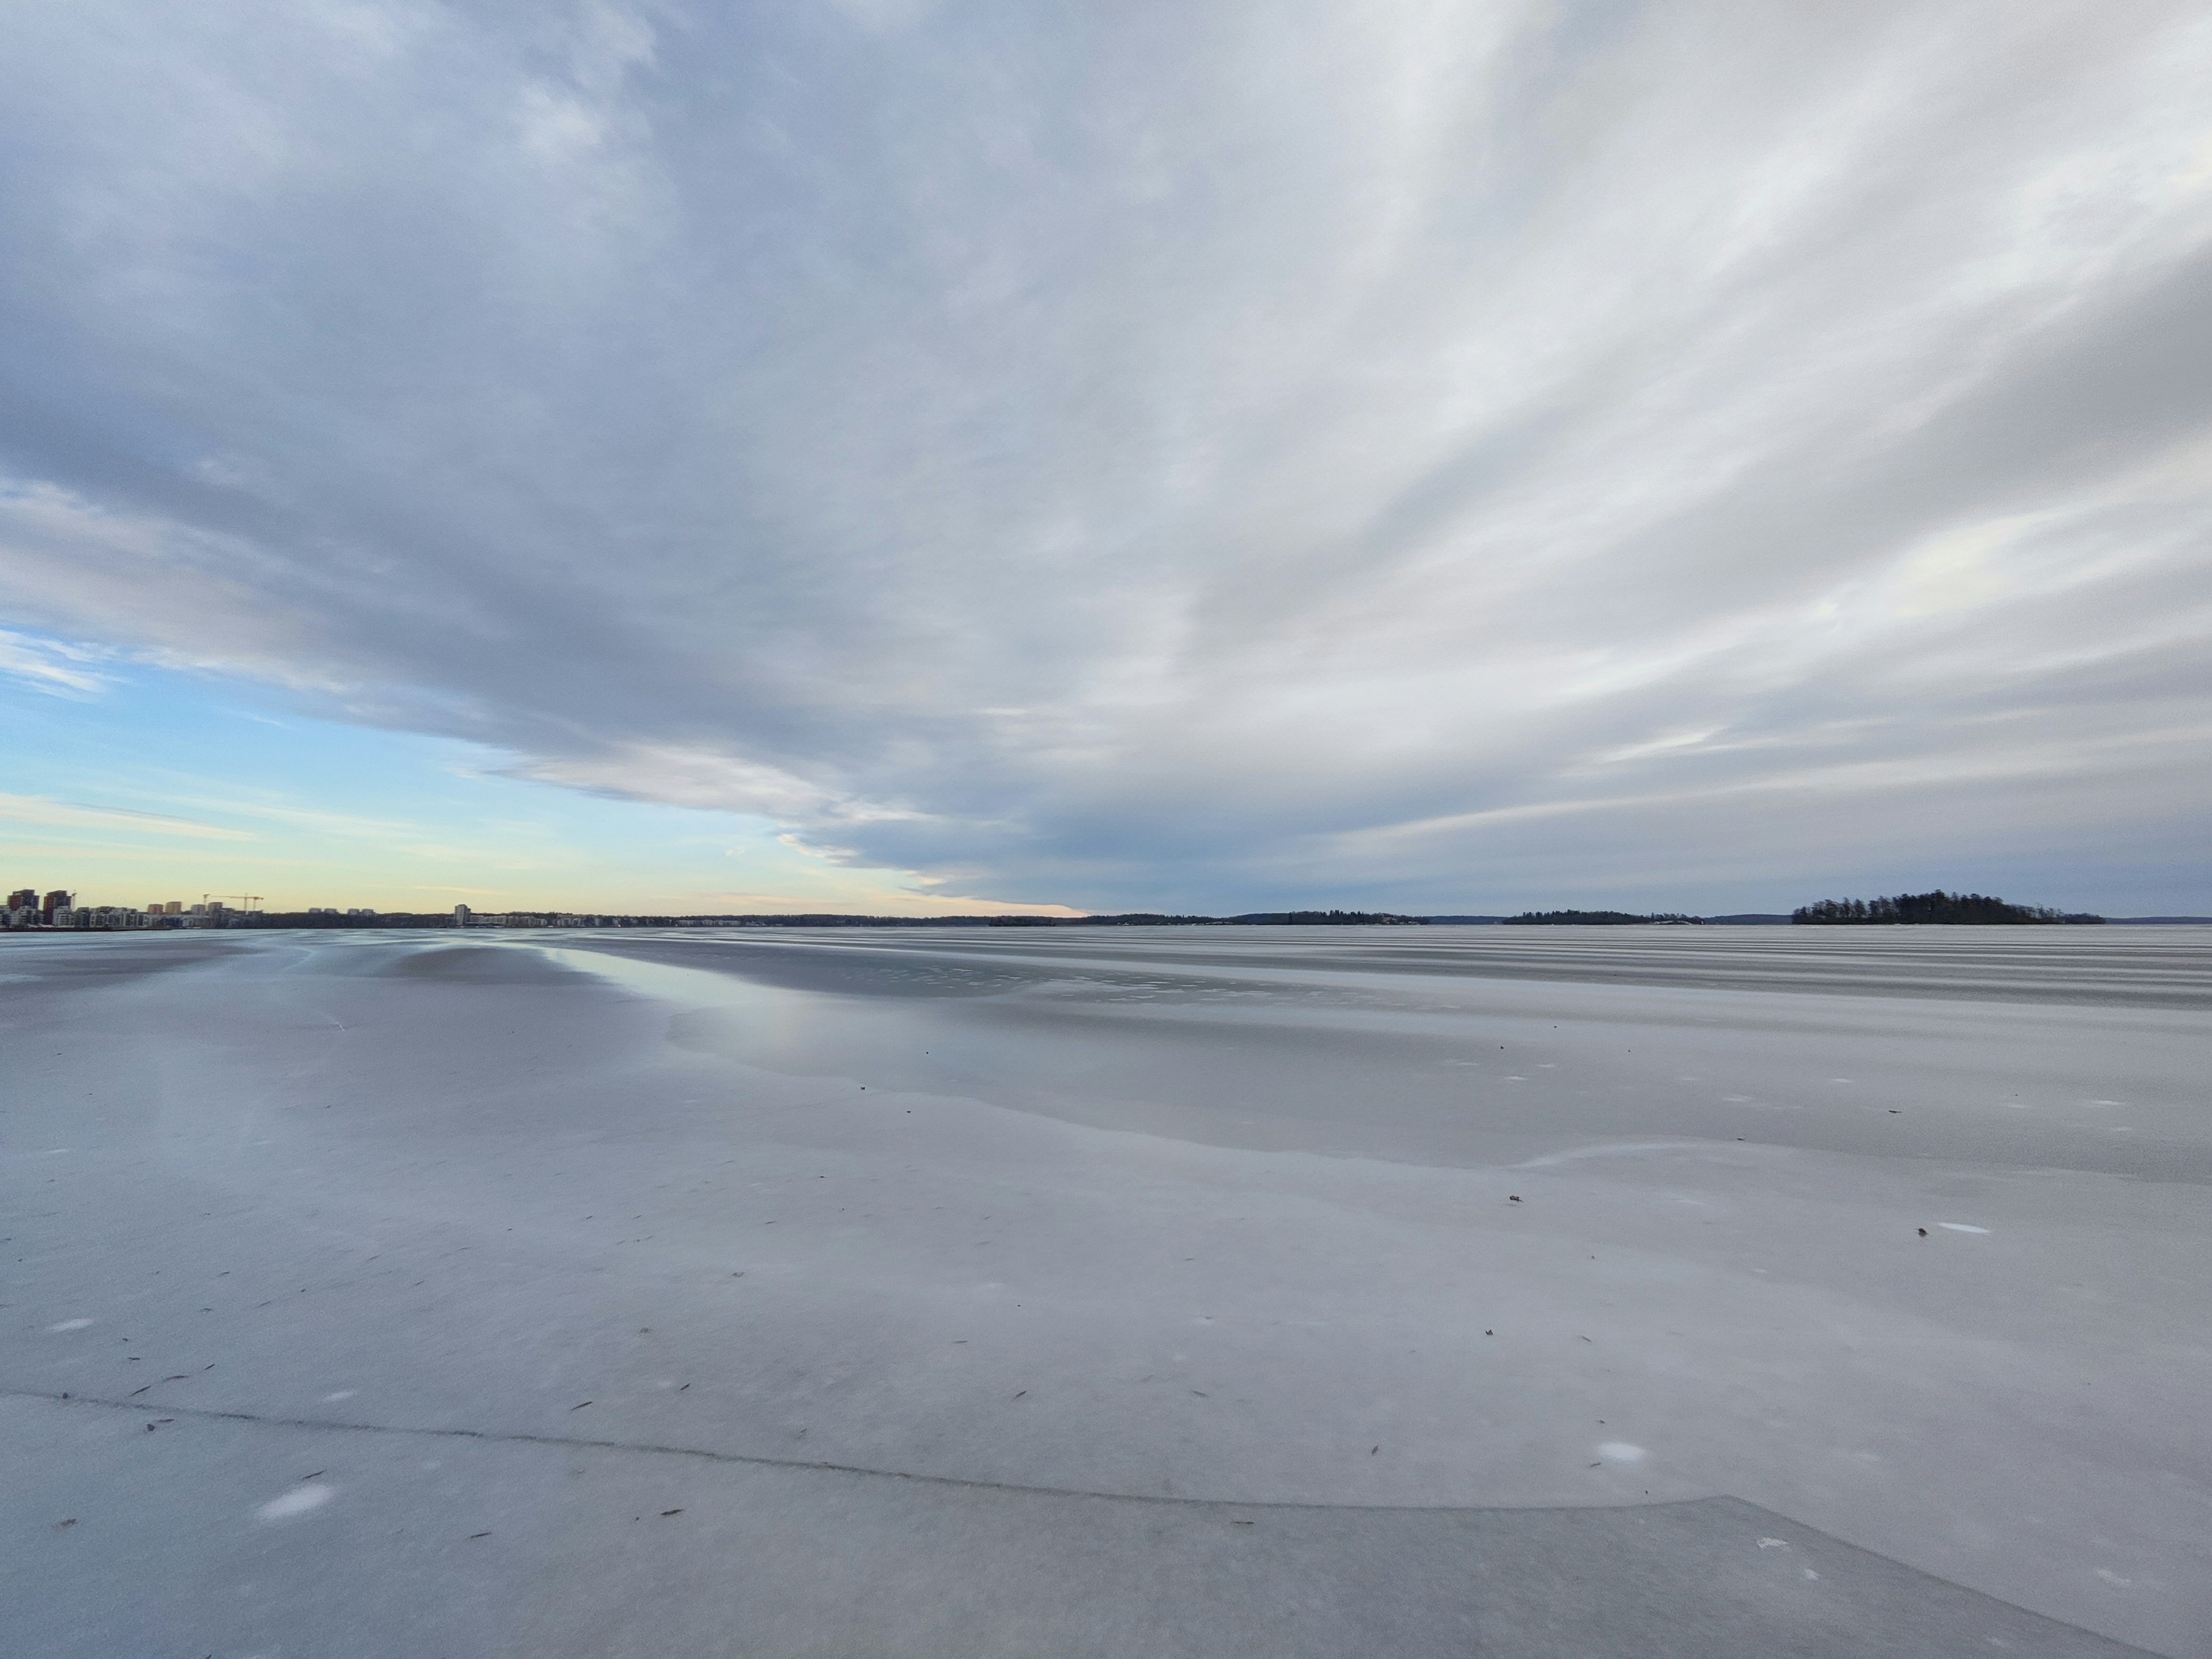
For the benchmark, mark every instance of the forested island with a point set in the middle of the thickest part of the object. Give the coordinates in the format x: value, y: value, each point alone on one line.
x: 1939, y: 907
x: 1600, y: 918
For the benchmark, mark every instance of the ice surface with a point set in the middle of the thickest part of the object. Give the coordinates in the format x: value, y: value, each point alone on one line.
x: 301, y: 1500
x: 590, y: 1265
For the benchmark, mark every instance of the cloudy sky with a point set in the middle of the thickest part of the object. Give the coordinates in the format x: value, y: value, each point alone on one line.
x: 894, y: 455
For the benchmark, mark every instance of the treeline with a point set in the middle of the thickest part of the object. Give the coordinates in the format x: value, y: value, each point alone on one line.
x: 1250, y: 918
x: 1135, y: 919
x: 324, y: 919
x: 1327, y: 919
x: 1952, y: 909
x: 1598, y: 919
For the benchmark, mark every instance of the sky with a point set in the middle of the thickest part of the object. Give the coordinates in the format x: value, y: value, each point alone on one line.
x: 881, y: 455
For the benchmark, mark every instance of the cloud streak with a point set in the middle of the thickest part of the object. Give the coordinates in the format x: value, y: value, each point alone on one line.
x: 38, y: 810
x: 49, y: 666
x: 1158, y: 459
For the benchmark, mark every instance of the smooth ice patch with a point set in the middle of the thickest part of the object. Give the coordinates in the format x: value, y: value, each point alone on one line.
x: 1620, y: 1452
x: 342, y: 1394
x: 69, y: 1325
x: 1959, y: 1227
x: 297, y: 1501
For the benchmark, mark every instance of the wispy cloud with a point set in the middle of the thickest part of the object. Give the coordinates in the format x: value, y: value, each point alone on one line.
x: 1129, y: 461
x: 51, y: 666
x: 75, y: 815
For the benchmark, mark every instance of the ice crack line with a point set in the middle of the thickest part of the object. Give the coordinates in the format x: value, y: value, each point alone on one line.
x: 755, y: 1459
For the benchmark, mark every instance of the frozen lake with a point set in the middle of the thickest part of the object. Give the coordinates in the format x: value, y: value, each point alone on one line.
x: 1040, y: 1291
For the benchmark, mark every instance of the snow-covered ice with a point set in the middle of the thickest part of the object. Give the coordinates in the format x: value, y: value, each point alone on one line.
x: 301, y: 1500
x: 1513, y: 1253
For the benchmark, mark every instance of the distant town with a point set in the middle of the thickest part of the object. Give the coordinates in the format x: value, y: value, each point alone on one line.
x: 59, y: 911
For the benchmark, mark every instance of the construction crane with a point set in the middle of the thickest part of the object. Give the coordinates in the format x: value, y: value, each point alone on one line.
x: 246, y: 901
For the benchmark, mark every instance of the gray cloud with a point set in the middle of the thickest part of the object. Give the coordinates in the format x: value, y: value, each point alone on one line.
x: 1266, y: 454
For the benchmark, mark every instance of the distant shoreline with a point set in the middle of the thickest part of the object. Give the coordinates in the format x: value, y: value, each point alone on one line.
x: 440, y: 923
